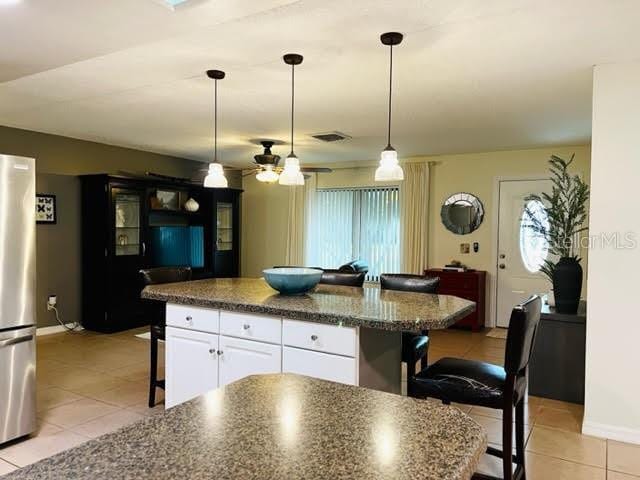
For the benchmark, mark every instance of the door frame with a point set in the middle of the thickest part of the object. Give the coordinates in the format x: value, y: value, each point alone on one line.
x: 495, y: 223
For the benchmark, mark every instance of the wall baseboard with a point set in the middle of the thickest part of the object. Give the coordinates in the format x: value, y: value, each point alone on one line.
x: 54, y: 329
x: 611, y: 432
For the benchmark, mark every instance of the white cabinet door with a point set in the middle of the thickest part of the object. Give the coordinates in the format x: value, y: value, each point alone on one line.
x: 240, y: 358
x: 320, y: 365
x: 191, y: 364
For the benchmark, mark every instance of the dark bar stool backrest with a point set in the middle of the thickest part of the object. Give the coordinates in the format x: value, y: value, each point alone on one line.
x: 355, y: 266
x: 521, y: 335
x: 159, y: 275
x: 154, y: 310
x: 406, y: 282
x: 336, y: 277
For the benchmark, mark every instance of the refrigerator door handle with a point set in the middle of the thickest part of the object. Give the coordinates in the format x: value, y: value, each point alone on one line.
x: 13, y: 341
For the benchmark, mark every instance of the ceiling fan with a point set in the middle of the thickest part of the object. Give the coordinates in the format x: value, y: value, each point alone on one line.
x: 265, y: 165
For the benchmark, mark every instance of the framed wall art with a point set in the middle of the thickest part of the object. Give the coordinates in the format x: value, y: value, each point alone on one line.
x: 46, y: 209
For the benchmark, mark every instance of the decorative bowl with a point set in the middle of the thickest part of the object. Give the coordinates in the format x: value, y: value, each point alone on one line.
x: 292, y: 281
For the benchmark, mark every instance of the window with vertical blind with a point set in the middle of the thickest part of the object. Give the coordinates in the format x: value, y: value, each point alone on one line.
x: 357, y: 223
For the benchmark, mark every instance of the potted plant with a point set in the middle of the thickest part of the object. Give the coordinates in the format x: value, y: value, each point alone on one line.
x: 566, y: 216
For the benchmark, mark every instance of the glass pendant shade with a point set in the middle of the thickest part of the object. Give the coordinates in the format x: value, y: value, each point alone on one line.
x: 215, y: 177
x: 268, y: 175
x: 291, y: 175
x: 389, y: 169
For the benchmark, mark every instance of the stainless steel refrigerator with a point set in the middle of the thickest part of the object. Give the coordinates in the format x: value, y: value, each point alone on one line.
x: 17, y: 297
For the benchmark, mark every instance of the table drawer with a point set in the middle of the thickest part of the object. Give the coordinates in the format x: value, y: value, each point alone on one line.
x: 193, y: 318
x: 320, y: 337
x: 251, y: 327
x: 320, y: 365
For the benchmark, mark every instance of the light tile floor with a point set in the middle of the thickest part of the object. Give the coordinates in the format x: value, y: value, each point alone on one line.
x: 90, y: 384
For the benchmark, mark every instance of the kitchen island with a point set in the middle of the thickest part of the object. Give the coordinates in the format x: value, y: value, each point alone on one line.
x: 281, y: 427
x: 221, y: 330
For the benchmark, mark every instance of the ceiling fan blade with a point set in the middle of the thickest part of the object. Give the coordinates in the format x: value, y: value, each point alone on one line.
x: 229, y: 169
x: 316, y: 169
x: 251, y: 172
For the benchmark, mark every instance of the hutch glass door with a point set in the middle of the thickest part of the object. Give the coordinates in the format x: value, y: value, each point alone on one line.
x: 128, y: 225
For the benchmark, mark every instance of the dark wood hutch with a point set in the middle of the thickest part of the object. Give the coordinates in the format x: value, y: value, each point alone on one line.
x: 134, y: 223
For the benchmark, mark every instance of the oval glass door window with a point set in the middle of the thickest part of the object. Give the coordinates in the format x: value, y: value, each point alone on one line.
x: 534, y: 248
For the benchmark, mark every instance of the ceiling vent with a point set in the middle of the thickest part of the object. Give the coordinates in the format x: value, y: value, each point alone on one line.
x: 331, y: 136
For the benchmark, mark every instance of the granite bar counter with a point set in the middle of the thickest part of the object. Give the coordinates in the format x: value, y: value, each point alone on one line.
x: 281, y: 427
x: 221, y: 330
x: 350, y: 306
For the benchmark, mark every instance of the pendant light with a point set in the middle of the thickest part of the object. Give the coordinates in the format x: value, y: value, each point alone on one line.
x: 291, y: 175
x: 215, y: 176
x: 389, y: 169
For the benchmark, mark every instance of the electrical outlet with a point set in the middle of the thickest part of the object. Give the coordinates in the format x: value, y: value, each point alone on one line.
x: 52, y: 300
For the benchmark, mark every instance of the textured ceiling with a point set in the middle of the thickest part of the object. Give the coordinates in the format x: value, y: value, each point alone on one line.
x: 471, y: 75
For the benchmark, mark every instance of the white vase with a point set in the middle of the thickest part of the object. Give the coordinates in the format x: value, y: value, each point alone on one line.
x: 551, y: 299
x: 191, y: 205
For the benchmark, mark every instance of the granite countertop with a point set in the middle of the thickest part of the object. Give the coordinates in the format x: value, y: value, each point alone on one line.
x: 351, y: 306
x: 281, y: 427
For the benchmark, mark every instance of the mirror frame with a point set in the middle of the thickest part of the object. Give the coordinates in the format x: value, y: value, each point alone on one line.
x: 466, y: 197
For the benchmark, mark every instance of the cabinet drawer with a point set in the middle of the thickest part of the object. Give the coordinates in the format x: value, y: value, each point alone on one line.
x: 251, y: 327
x: 320, y: 337
x: 320, y: 365
x: 193, y: 318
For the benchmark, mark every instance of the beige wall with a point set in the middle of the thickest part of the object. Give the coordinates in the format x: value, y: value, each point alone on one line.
x: 476, y: 173
x: 264, y: 226
x: 58, y: 161
x: 611, y: 381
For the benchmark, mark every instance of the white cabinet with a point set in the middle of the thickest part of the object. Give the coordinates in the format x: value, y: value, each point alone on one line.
x: 240, y: 358
x: 320, y: 365
x: 208, y: 348
x: 191, y: 364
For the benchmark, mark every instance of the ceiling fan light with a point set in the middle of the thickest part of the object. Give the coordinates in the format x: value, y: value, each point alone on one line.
x: 215, y: 177
x: 268, y: 175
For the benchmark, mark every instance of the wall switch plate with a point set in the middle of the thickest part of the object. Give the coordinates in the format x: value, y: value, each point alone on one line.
x: 464, y: 248
x: 476, y: 247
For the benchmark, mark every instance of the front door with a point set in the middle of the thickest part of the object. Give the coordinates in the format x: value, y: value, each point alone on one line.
x: 520, y: 254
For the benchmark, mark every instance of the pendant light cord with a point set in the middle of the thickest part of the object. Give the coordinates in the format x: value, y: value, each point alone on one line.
x: 390, y: 89
x: 293, y: 74
x: 215, y: 121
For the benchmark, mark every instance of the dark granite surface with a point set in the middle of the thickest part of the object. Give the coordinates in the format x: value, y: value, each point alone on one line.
x: 351, y: 306
x: 281, y: 427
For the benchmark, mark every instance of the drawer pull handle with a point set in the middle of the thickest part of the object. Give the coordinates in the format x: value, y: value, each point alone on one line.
x: 189, y: 319
x: 212, y: 351
x: 314, y: 338
x: 246, y: 326
x: 220, y: 352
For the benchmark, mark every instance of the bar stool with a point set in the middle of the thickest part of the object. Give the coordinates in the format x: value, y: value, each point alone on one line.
x: 337, y: 277
x: 414, y: 347
x: 486, y: 385
x: 156, y: 312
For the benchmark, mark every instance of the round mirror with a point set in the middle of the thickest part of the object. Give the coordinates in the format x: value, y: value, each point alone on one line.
x: 462, y: 213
